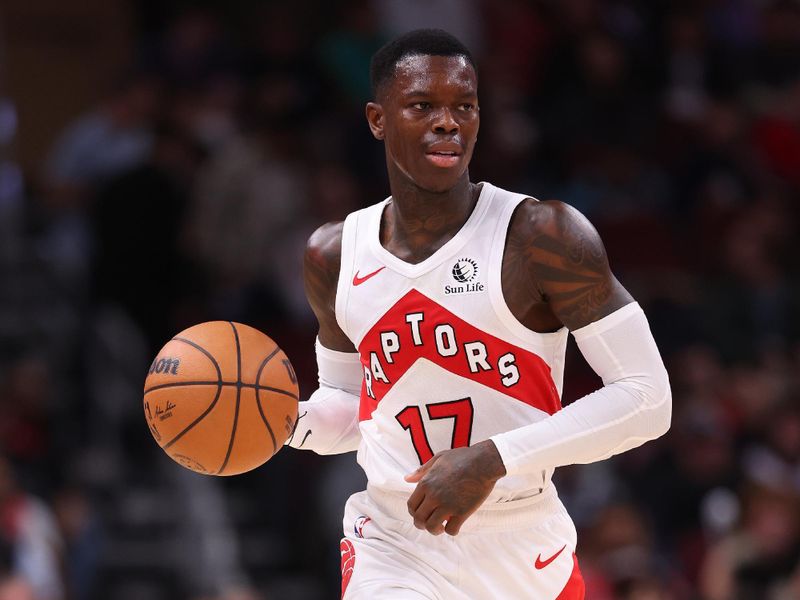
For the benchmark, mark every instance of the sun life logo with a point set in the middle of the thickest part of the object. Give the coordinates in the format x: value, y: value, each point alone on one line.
x: 465, y: 270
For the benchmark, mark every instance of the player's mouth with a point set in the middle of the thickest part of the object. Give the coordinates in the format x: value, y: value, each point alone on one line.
x: 446, y: 155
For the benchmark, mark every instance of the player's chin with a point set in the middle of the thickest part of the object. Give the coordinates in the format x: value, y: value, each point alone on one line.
x: 440, y: 180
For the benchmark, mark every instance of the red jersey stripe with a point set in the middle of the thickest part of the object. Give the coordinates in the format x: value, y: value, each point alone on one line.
x: 396, y: 341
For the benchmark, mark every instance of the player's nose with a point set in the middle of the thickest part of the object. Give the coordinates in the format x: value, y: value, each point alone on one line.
x: 444, y: 121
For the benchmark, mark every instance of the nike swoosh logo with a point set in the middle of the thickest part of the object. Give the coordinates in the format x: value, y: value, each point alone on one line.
x: 359, y: 280
x: 305, y: 437
x: 541, y: 564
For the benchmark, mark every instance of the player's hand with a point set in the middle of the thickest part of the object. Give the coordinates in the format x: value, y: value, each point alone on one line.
x: 452, y: 485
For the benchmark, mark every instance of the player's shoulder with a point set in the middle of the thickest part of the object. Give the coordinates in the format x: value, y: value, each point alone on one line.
x: 321, y: 266
x: 324, y: 247
x: 325, y: 244
x: 550, y: 218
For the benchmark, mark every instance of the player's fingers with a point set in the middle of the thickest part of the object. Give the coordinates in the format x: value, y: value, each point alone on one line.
x: 416, y: 498
x: 424, y: 512
x: 435, y: 523
x: 454, y: 524
x: 415, y: 476
x: 420, y: 472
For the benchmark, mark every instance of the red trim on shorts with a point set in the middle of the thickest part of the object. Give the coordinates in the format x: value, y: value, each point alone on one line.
x: 574, y: 589
x: 348, y: 562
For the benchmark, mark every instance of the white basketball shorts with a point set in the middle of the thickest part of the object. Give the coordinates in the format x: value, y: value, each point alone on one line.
x: 518, y: 550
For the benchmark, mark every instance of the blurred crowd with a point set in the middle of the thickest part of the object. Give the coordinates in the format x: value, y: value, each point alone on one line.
x: 187, y: 193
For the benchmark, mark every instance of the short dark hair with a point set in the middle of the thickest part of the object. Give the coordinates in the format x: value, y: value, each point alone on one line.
x: 424, y: 42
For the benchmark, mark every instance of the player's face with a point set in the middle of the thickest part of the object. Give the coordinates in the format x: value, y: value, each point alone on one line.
x: 428, y: 119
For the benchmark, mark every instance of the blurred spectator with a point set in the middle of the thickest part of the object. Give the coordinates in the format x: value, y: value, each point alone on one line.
x: 459, y: 17
x: 750, y: 297
x: 284, y: 45
x: 11, y: 182
x: 777, y: 56
x: 207, y: 546
x: 591, y: 102
x: 15, y: 588
x: 695, y: 70
x: 82, y: 541
x: 209, y: 111
x: 677, y: 487
x: 619, y: 559
x: 105, y: 142
x: 774, y: 460
x: 517, y: 46
x: 25, y: 403
x: 246, y: 203
x: 12, y: 587
x: 29, y: 528
x: 113, y: 137
x: 152, y: 198
x: 191, y: 49
x: 777, y: 133
x: 760, y: 559
x: 619, y: 185
x: 712, y: 168
x: 346, y: 52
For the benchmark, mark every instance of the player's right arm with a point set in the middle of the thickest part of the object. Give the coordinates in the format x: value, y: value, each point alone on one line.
x: 328, y: 420
x: 321, y: 265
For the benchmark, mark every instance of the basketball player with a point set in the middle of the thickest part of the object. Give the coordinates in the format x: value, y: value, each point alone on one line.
x: 444, y: 312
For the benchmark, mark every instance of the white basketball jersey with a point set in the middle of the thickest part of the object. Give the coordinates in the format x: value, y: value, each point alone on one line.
x: 446, y: 364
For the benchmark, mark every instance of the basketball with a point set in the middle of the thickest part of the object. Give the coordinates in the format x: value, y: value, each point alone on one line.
x: 221, y: 398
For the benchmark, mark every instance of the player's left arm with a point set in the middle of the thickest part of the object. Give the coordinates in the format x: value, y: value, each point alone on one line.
x: 556, y: 260
x: 566, y: 263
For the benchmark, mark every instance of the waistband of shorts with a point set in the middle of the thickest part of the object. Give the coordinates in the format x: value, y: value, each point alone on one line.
x: 498, y: 516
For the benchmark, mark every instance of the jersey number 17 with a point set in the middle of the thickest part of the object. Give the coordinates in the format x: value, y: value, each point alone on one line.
x: 461, y: 411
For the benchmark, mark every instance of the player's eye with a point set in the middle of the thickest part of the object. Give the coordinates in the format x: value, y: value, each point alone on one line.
x: 421, y: 105
x: 467, y: 107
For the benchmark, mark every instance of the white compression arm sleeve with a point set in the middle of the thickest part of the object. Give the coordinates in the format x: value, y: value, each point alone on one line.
x: 328, y: 421
x: 634, y: 406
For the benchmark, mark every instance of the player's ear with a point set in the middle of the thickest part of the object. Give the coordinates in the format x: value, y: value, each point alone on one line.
x: 375, y: 119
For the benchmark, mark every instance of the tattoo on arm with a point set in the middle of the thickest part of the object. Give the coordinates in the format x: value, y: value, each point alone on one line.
x: 559, y: 258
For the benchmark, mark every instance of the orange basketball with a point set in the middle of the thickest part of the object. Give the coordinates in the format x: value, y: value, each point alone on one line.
x: 221, y: 398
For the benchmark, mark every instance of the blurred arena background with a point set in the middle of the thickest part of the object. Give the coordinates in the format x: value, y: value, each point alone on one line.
x: 162, y: 164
